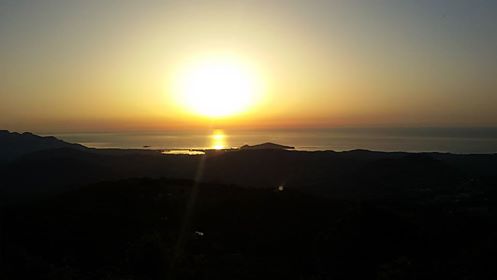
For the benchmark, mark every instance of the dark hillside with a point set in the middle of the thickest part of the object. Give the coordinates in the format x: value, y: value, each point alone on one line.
x: 14, y: 145
x: 142, y: 229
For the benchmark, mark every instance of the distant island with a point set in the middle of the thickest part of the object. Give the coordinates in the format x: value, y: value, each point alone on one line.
x: 266, y: 146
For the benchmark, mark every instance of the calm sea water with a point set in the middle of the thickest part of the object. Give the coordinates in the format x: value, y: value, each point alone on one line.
x: 456, y: 140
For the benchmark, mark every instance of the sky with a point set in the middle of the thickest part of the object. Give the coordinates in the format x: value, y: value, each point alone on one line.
x: 111, y: 65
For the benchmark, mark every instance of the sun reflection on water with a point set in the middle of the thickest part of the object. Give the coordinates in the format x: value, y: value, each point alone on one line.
x: 218, y: 140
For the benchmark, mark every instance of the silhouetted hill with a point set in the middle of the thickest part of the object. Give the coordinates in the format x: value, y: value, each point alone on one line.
x: 13, y: 144
x: 163, y: 229
x: 57, y: 170
x: 325, y: 172
x: 247, y: 214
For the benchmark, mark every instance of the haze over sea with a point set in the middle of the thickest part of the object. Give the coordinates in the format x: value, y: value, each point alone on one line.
x: 454, y: 140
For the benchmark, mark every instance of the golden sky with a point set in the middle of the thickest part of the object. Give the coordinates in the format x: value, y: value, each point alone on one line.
x: 112, y: 65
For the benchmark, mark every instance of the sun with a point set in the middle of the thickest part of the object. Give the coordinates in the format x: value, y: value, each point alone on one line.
x: 217, y: 87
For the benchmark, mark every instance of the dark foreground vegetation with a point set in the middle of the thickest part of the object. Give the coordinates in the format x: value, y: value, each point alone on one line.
x: 262, y: 214
x: 170, y: 229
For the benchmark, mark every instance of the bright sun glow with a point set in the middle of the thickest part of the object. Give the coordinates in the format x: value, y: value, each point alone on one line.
x: 217, y: 87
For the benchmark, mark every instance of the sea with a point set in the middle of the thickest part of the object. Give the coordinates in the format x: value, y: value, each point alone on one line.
x: 453, y: 140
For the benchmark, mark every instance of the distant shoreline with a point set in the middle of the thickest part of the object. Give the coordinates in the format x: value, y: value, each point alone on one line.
x: 475, y: 141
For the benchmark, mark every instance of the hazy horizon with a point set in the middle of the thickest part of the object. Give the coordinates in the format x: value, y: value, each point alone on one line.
x: 453, y: 140
x: 172, y: 65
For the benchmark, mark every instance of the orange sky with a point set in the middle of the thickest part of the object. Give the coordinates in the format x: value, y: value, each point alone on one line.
x: 104, y: 66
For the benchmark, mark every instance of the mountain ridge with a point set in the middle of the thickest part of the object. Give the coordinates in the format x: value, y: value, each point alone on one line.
x: 14, y: 144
